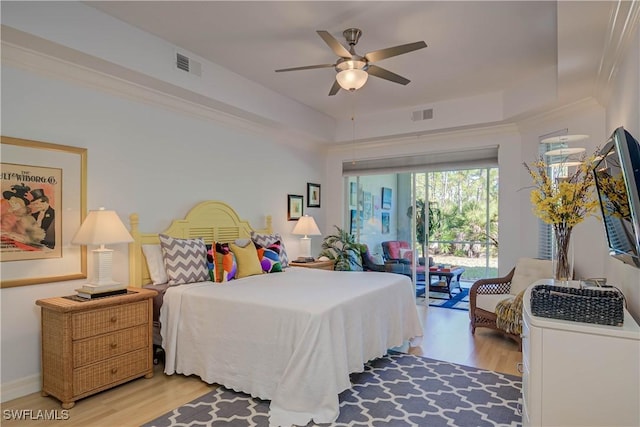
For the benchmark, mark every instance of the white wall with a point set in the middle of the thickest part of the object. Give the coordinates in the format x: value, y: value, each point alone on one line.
x: 144, y: 159
x: 588, y: 237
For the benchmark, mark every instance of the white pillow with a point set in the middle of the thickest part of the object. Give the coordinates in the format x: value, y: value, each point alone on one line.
x: 377, y: 259
x: 528, y: 270
x: 155, y: 262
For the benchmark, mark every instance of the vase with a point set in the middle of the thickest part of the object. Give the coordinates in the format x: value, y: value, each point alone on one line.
x: 562, y: 254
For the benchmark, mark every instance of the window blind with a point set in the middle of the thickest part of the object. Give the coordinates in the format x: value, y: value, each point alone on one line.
x: 479, y: 158
x: 545, y: 231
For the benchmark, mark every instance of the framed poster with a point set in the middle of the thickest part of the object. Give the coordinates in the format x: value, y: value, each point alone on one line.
x: 43, y: 204
x: 294, y: 207
x: 313, y: 195
x: 386, y: 198
x: 30, y: 227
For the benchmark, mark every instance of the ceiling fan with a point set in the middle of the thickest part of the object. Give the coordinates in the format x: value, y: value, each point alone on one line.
x: 353, y: 70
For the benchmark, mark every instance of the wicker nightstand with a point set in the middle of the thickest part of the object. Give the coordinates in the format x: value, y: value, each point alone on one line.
x: 320, y: 265
x: 91, y: 346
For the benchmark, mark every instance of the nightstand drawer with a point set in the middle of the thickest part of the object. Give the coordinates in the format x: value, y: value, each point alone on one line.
x: 119, y: 368
x: 96, y: 322
x: 102, y: 347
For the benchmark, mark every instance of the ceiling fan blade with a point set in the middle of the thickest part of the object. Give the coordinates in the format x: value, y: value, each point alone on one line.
x: 374, y: 70
x: 378, y: 55
x: 335, y: 88
x: 308, y: 67
x: 334, y: 44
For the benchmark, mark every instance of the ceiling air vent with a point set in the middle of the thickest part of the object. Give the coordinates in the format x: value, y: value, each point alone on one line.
x: 187, y: 64
x: 419, y: 115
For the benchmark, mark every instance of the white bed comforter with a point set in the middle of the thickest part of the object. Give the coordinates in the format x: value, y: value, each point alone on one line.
x: 292, y: 337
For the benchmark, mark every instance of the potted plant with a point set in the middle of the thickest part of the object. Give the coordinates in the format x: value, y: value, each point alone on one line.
x: 562, y: 202
x: 342, y: 248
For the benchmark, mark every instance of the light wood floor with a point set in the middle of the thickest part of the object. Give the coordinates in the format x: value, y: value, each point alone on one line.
x: 447, y: 337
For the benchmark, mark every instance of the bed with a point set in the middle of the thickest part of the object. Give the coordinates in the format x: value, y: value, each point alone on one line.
x: 291, y: 337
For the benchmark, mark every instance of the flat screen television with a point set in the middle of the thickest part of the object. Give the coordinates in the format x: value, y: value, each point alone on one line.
x: 617, y: 177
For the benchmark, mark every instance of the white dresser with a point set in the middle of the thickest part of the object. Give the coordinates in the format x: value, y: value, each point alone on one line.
x: 579, y: 374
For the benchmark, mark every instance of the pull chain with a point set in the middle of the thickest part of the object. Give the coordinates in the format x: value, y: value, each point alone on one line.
x: 353, y: 129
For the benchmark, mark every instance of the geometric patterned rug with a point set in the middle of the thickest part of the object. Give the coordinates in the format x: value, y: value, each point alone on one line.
x: 459, y: 299
x: 396, y: 390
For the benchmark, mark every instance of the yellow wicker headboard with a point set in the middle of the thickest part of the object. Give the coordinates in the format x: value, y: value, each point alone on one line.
x: 212, y: 220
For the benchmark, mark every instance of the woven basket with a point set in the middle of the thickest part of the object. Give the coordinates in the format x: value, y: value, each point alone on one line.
x: 578, y: 305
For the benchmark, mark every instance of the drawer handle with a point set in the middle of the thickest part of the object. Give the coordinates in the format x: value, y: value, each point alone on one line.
x: 520, y: 367
x: 114, y: 319
x: 519, y: 408
x: 114, y: 370
x: 114, y: 345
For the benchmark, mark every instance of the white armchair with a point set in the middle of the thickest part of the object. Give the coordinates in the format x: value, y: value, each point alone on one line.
x: 485, y: 294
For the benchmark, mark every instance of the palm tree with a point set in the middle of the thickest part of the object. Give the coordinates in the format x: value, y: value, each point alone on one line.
x: 434, y: 220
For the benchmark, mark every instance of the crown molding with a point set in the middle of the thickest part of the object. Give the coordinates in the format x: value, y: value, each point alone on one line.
x: 565, y: 111
x: 155, y: 93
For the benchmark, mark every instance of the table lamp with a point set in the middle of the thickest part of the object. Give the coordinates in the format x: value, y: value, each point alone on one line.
x: 306, y: 226
x: 102, y: 227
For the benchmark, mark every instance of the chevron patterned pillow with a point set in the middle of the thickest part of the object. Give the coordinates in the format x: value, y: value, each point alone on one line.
x: 184, y: 259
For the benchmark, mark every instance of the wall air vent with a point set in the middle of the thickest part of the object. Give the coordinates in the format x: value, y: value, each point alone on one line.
x: 182, y: 62
x: 419, y: 115
x: 187, y: 64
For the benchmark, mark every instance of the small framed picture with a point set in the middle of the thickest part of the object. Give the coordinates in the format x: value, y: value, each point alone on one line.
x: 294, y: 207
x: 386, y: 198
x: 385, y: 223
x: 313, y: 195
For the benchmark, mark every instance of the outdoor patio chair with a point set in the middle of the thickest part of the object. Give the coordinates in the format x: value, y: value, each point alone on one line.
x: 399, y: 251
x: 398, y: 257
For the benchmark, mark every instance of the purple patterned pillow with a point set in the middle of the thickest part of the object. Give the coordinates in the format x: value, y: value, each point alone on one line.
x: 265, y: 240
x: 270, y: 257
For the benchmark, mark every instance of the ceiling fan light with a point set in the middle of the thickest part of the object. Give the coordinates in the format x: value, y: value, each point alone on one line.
x: 352, y: 79
x: 352, y: 64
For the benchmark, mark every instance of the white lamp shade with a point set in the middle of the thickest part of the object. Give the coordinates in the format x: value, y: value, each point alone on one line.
x: 352, y: 79
x: 306, y: 226
x: 102, y: 227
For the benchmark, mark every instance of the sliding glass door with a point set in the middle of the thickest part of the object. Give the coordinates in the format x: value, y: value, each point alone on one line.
x: 448, y: 216
x: 457, y: 220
